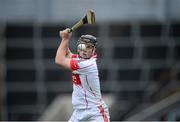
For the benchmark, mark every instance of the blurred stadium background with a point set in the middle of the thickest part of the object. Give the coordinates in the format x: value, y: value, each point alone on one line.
x: 139, y: 54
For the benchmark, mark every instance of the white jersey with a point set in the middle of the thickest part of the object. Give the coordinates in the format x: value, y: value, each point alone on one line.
x: 86, y: 85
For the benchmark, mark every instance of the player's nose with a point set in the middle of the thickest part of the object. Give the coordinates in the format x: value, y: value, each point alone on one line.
x: 84, y: 51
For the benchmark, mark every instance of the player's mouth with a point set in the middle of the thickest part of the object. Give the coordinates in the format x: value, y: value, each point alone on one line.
x: 84, y: 55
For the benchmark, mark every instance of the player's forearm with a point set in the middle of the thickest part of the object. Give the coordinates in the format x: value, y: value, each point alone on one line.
x: 62, y: 51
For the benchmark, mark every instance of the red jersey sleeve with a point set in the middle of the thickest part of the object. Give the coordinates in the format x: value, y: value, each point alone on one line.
x: 74, y: 56
x: 74, y: 63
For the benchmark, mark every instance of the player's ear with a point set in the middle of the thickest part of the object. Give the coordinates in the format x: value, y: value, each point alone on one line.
x: 94, y: 50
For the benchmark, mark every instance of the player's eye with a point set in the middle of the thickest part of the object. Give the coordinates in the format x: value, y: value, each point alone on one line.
x: 89, y: 46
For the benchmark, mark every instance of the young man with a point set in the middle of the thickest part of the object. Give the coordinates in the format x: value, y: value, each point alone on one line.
x: 86, y: 97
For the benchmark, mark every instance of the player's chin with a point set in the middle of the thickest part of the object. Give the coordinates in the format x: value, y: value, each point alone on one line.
x: 84, y: 56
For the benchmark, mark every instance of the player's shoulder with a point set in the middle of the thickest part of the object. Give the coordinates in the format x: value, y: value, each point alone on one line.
x: 94, y: 56
x: 74, y: 56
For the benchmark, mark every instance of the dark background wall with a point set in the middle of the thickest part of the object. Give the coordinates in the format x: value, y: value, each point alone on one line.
x: 138, y: 47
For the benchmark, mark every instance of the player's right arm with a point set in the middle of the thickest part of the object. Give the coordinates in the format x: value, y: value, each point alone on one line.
x: 61, y: 55
x: 69, y: 53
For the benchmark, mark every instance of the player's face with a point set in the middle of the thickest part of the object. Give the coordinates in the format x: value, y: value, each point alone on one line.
x: 87, y: 52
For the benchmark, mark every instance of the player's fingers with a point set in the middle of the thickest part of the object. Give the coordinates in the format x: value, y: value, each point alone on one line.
x: 69, y: 32
x: 60, y: 33
x: 65, y: 33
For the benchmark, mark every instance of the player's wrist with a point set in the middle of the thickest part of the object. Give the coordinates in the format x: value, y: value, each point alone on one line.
x: 65, y: 39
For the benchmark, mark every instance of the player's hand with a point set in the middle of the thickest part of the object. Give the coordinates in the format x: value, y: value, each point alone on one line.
x: 65, y: 34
